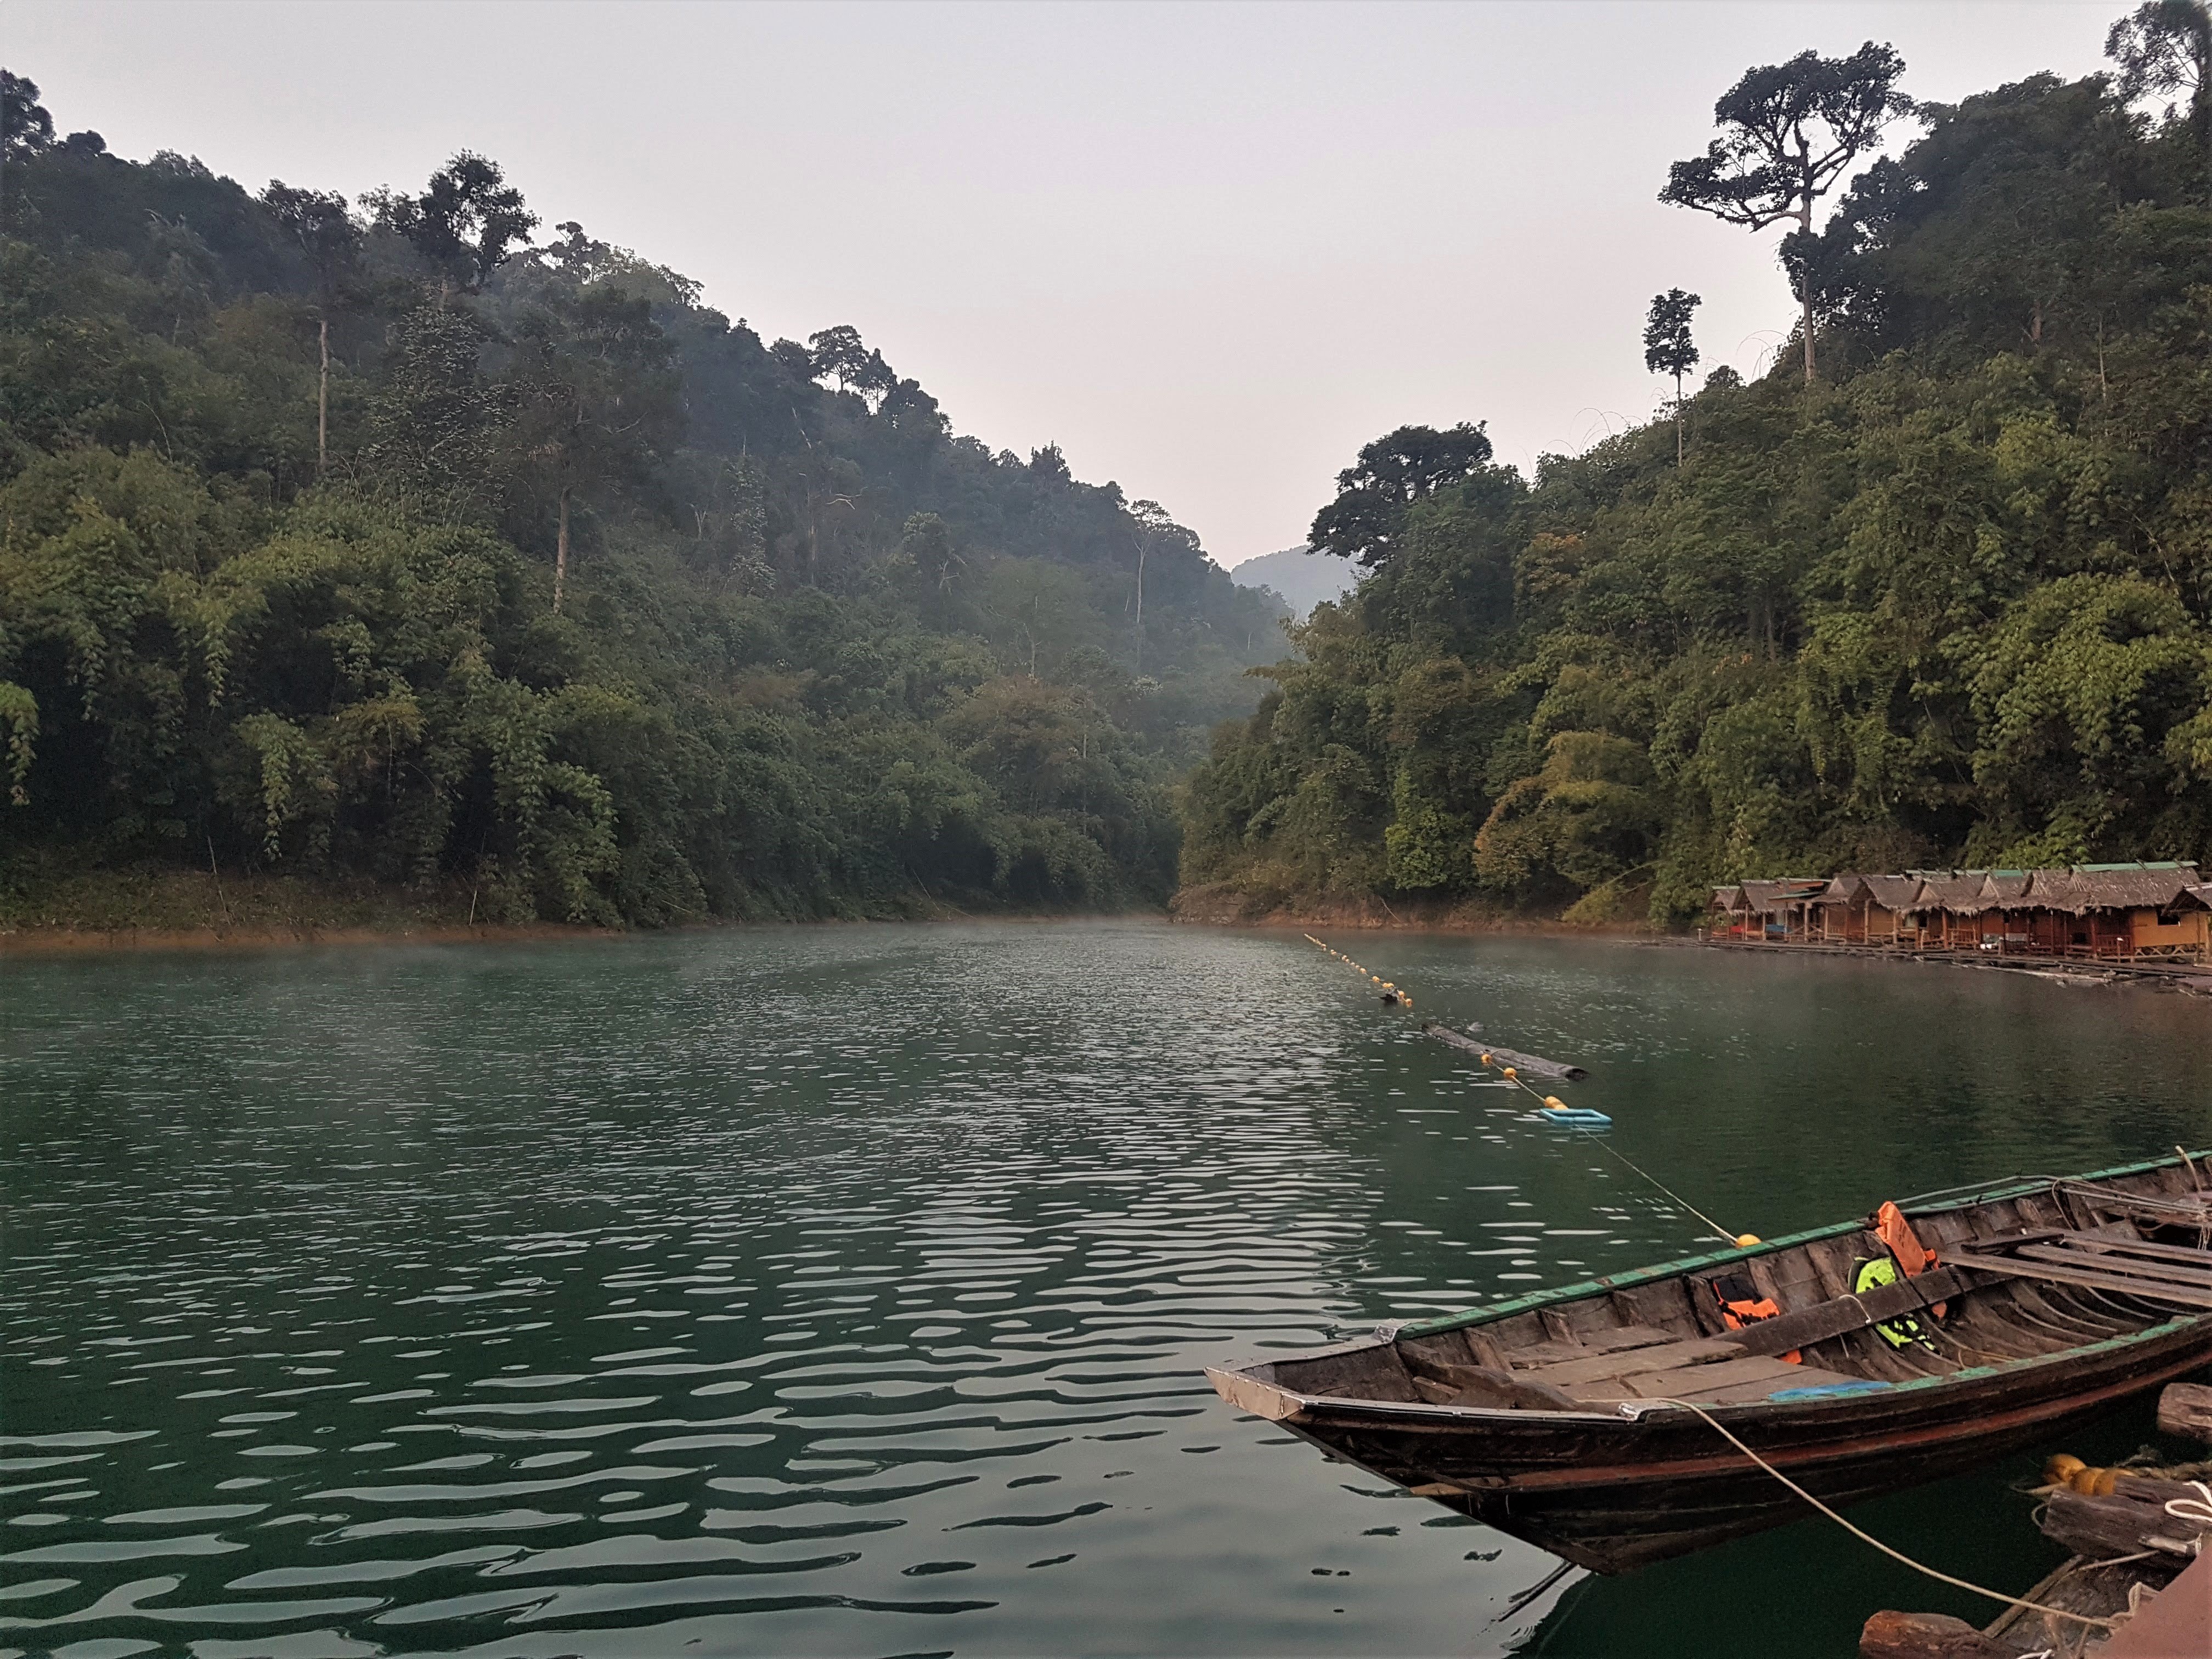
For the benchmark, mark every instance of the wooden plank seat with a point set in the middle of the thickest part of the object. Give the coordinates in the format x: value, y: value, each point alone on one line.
x: 1533, y: 1355
x: 2154, y: 1281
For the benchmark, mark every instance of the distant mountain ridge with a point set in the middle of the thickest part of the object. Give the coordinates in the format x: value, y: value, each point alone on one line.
x: 1303, y: 579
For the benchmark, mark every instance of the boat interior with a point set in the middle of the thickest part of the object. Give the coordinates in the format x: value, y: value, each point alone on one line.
x: 2067, y: 1263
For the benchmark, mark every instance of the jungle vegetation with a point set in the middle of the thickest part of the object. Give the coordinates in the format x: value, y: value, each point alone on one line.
x: 1934, y: 591
x: 408, y: 541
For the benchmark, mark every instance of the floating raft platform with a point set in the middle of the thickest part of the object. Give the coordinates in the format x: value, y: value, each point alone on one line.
x: 1580, y: 1117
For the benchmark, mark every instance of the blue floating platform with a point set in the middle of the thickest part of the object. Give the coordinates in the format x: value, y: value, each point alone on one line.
x: 1581, y: 1116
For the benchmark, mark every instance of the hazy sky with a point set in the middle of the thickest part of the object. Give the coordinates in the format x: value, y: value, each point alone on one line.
x: 1209, y: 249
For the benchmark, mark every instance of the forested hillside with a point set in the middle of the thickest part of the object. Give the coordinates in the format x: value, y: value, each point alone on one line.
x: 1946, y: 601
x: 411, y: 542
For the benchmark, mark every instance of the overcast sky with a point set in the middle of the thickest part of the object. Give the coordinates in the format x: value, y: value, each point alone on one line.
x: 1209, y: 250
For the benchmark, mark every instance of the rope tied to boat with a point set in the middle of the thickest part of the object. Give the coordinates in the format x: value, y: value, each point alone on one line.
x: 2198, y: 1509
x: 1636, y: 1408
x: 1512, y: 1075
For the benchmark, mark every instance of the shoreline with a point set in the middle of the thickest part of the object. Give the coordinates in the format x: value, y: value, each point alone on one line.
x: 1214, y: 906
x: 64, y: 941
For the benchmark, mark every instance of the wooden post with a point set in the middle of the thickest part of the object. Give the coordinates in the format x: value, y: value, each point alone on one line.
x: 1927, y: 1636
x: 2185, y: 1411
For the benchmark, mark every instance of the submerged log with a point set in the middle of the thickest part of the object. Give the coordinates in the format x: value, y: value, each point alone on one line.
x: 1927, y: 1636
x: 2184, y: 1410
x: 1534, y: 1065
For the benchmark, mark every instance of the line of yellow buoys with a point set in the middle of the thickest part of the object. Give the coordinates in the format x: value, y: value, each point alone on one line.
x: 1395, y: 993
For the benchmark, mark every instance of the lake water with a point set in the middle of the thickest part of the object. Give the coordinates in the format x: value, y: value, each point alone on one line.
x: 844, y: 1291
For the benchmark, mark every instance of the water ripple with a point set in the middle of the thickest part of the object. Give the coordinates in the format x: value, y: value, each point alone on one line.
x: 695, y: 1295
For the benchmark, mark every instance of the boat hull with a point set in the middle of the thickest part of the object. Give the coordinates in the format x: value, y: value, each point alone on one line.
x: 1553, y: 1417
x: 1612, y: 1493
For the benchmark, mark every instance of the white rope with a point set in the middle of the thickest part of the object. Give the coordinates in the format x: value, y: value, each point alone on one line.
x: 2198, y: 1509
x: 1722, y: 1430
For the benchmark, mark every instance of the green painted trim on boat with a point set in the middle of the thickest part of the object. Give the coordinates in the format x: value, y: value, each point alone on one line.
x: 2008, y: 1187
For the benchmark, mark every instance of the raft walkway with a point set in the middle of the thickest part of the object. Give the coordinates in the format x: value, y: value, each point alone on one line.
x: 2193, y: 978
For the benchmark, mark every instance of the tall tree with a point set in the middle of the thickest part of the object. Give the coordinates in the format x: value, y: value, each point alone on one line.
x: 840, y: 353
x: 2165, y: 46
x: 331, y: 240
x: 1668, y: 349
x: 26, y: 128
x: 1398, y: 469
x: 466, y: 223
x: 1152, y: 525
x: 1787, y: 133
x: 596, y: 404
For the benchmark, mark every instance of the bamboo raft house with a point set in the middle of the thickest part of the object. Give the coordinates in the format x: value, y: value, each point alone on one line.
x: 2112, y: 912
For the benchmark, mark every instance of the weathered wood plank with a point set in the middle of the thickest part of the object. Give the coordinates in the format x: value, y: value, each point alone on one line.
x: 1603, y: 1367
x: 2184, y: 1410
x: 1849, y: 1313
x: 1927, y: 1636
x: 1476, y: 1385
x: 2114, y: 1261
x: 1696, y: 1382
x: 2143, y: 1247
x: 2187, y: 1296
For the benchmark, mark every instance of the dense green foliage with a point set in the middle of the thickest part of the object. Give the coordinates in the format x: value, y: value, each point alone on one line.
x: 1951, y: 603
x: 589, y: 602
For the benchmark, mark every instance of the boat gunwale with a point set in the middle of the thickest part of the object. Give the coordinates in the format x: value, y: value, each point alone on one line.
x: 2005, y: 1187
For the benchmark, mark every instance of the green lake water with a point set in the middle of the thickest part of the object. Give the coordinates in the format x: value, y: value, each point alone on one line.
x: 844, y: 1291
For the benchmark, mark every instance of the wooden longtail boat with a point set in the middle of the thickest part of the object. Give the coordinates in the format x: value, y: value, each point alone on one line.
x: 2049, y: 1301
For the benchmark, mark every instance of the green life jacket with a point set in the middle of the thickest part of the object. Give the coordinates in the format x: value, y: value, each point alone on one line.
x: 1904, y: 1331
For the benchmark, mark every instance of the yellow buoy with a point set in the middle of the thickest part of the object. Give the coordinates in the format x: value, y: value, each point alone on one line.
x: 1486, y: 1060
x: 1509, y: 1072
x: 2093, y: 1483
x: 2060, y: 1469
x: 1745, y: 1241
x: 1555, y: 1103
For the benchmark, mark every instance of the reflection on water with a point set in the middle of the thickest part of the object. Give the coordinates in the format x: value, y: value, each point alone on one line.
x: 844, y: 1291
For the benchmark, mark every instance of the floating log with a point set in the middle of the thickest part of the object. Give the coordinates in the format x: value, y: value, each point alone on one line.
x: 1927, y: 1636
x: 1532, y: 1064
x: 2184, y: 1410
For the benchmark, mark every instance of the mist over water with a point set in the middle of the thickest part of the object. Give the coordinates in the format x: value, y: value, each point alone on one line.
x: 845, y: 1291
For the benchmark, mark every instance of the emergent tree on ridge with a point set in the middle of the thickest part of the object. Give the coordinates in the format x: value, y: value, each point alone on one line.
x: 1667, y: 348
x: 1787, y: 133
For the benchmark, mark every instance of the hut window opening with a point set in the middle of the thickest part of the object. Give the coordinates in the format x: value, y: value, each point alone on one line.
x: 2169, y: 918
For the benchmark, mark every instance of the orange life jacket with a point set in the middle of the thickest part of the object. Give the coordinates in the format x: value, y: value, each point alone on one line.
x: 1741, y: 1304
x: 1913, y: 1258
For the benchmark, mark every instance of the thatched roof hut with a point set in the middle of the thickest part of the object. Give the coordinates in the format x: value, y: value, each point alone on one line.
x: 1961, y: 892
x: 1778, y: 897
x: 1895, y: 892
x: 2081, y: 887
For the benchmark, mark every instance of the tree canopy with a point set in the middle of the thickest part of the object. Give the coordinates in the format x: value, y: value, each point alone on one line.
x: 586, y: 603
x: 1952, y: 605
